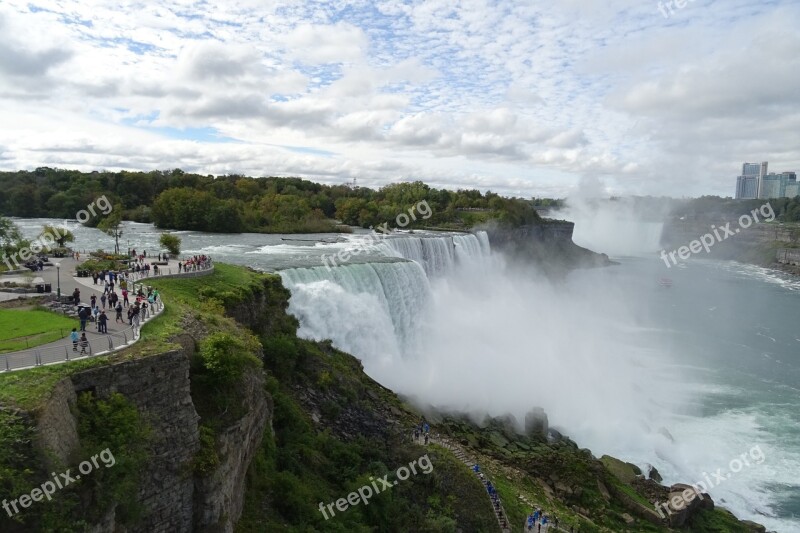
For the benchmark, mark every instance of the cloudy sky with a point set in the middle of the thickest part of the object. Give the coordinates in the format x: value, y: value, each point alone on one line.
x: 525, y: 97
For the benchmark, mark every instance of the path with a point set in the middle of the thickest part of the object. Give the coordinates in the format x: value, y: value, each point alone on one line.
x: 119, y: 334
x: 500, y: 514
x: 499, y: 511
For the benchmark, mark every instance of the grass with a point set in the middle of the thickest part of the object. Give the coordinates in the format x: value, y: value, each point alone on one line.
x: 21, y: 329
x: 29, y: 389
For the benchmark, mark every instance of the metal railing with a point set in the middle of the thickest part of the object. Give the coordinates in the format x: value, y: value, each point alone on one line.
x: 98, y: 344
x: 141, y: 275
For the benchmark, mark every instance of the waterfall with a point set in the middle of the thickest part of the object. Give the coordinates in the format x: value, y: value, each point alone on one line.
x: 438, y: 254
x: 368, y: 309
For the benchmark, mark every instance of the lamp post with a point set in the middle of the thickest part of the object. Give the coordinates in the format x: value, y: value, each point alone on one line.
x: 58, y: 281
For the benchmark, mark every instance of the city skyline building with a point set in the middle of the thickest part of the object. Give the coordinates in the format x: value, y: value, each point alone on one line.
x: 754, y: 182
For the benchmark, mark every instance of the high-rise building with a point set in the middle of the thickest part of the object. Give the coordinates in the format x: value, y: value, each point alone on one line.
x: 746, y: 187
x: 754, y: 169
x: 749, y: 183
x: 772, y: 186
x: 778, y: 185
x: 792, y: 188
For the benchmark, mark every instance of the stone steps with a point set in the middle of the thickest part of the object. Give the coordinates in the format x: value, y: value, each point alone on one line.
x: 461, y: 455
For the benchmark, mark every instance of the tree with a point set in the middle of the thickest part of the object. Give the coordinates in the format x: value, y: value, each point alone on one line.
x: 112, y: 225
x: 60, y: 235
x: 171, y: 242
x: 9, y: 234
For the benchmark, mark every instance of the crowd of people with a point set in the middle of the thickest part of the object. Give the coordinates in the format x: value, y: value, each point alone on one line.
x: 109, y: 299
x: 196, y: 262
x: 537, y: 520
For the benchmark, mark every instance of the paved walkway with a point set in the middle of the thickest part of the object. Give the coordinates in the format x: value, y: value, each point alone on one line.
x: 119, y: 333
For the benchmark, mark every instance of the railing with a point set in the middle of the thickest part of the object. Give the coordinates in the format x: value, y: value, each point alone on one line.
x: 99, y: 344
x: 497, y: 506
x: 138, y: 276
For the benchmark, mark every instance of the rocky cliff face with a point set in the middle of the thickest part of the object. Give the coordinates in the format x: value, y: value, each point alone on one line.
x: 548, y: 245
x: 174, y: 498
x: 159, y: 387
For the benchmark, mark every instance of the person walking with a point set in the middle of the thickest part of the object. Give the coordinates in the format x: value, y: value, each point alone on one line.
x: 76, y: 295
x: 74, y: 338
x: 118, y: 309
x: 83, y: 316
x: 125, y: 297
x: 84, y: 342
x: 103, y: 301
x: 102, y: 321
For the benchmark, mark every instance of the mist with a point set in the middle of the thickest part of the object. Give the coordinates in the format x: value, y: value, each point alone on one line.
x: 621, y: 227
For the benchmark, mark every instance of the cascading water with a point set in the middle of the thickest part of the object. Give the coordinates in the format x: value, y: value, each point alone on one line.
x: 374, y: 310
x: 438, y: 255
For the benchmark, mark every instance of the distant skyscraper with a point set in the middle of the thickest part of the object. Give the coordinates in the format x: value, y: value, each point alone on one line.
x: 746, y: 187
x: 752, y: 169
x: 772, y: 186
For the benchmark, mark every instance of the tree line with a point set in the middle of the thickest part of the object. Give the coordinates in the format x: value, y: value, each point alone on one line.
x: 234, y: 203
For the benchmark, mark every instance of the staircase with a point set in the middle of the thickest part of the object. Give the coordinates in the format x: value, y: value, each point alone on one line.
x: 458, y: 451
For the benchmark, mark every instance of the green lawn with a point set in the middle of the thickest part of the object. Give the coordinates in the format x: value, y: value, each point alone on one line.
x: 20, y: 329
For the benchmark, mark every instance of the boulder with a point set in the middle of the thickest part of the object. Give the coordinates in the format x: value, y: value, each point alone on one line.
x: 652, y: 473
x: 536, y: 422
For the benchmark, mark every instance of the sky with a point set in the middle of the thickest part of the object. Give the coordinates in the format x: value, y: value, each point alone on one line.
x: 525, y: 98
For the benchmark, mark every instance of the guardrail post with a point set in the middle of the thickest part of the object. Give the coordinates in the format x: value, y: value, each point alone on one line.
x: 8, y: 368
x: 110, y: 345
x: 38, y: 357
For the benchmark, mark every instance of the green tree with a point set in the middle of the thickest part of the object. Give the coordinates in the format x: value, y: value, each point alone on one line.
x: 60, y: 235
x: 10, y: 238
x: 171, y: 242
x: 112, y: 225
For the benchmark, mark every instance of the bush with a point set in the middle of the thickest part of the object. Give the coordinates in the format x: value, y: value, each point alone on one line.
x: 225, y: 358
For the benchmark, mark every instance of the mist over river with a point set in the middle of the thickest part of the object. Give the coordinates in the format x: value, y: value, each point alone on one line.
x: 686, y: 378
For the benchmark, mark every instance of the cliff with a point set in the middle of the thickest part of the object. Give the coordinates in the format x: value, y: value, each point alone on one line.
x: 764, y: 244
x: 548, y: 245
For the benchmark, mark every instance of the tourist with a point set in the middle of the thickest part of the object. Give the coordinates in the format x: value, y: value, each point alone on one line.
x: 93, y: 301
x: 102, y: 320
x: 84, y: 342
x: 118, y: 309
x: 125, y: 297
x: 103, y: 301
x: 74, y: 337
x: 95, y: 316
x: 83, y: 316
x: 76, y: 295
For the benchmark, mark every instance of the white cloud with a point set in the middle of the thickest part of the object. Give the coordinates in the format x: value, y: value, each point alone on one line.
x: 524, y: 98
